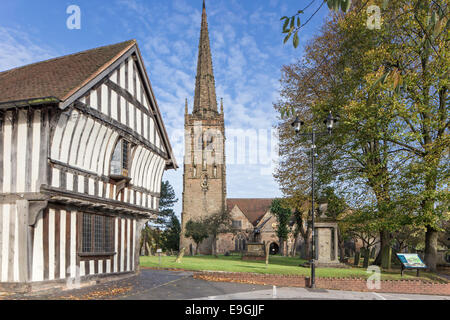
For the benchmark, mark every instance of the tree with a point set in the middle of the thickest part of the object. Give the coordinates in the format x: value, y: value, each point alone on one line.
x: 216, y: 224
x: 167, y: 201
x: 301, y: 207
x: 436, y: 22
x: 151, y: 239
x: 356, y: 156
x: 161, y: 232
x: 282, y: 214
x: 421, y: 47
x: 196, y: 230
x: 391, y: 88
x: 171, y: 235
x: 292, y: 25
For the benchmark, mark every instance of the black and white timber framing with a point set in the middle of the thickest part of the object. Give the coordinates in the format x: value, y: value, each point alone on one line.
x: 55, y: 167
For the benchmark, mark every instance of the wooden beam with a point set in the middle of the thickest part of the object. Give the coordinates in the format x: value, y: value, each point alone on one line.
x: 85, y: 199
x: 127, y: 96
x: 123, y: 130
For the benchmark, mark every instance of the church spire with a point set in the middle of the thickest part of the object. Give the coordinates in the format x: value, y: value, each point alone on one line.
x: 205, y: 91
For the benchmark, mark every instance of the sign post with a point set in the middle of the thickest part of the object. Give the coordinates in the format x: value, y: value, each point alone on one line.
x: 411, y: 261
x: 159, y: 254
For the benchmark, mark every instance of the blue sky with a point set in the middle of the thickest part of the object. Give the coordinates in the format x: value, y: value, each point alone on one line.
x: 247, y: 51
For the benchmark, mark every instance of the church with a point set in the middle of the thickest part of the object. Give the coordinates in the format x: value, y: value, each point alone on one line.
x: 204, y: 176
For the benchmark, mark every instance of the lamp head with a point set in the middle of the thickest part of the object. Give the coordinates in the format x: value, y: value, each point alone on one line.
x: 297, y: 124
x: 330, y: 121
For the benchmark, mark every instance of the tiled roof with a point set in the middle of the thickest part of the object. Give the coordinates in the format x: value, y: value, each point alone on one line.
x: 58, y: 77
x: 253, y: 208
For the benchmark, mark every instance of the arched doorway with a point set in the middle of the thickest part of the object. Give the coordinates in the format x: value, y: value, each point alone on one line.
x: 274, y: 248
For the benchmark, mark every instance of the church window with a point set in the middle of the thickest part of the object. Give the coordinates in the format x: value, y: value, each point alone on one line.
x: 240, y: 243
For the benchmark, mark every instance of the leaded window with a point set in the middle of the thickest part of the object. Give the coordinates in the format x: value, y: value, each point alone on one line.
x: 97, y: 234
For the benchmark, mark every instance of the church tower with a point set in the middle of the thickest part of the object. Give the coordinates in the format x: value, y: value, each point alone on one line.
x: 204, y: 184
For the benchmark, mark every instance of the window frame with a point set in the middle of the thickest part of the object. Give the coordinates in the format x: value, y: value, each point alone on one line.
x: 124, y: 167
x: 105, y: 250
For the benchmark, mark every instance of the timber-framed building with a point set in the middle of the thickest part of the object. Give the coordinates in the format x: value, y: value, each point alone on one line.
x: 83, y: 148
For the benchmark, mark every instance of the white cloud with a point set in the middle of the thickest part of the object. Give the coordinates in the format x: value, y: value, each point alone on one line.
x: 18, y: 49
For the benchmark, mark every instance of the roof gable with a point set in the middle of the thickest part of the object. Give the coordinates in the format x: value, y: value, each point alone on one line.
x: 236, y: 213
x: 71, y: 77
x: 59, y: 77
x: 253, y: 208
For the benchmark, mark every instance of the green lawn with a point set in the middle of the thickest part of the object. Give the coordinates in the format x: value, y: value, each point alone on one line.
x: 277, y: 265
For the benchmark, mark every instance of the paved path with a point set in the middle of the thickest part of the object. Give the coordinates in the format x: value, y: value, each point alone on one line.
x: 320, y: 294
x: 175, y: 285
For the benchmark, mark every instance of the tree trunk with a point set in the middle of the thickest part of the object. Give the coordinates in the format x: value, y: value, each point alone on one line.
x: 341, y: 246
x: 307, y: 245
x: 341, y: 251
x: 431, y: 244
x: 294, y: 247
x: 281, y: 246
x: 214, y: 247
x: 385, y: 243
x: 366, y: 258
x: 180, y: 256
x: 357, y: 257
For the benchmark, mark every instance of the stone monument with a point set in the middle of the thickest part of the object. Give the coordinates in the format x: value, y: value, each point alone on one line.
x: 256, y: 250
x: 326, y: 242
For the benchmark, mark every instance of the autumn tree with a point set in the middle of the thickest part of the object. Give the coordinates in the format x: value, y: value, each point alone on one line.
x: 392, y: 89
x: 420, y: 48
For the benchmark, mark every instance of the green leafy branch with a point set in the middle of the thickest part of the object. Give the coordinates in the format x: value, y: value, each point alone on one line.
x: 292, y: 25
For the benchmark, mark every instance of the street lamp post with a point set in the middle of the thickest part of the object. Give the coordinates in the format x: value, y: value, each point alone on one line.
x: 297, y: 124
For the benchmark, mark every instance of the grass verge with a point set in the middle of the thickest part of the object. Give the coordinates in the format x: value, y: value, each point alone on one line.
x: 277, y: 265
